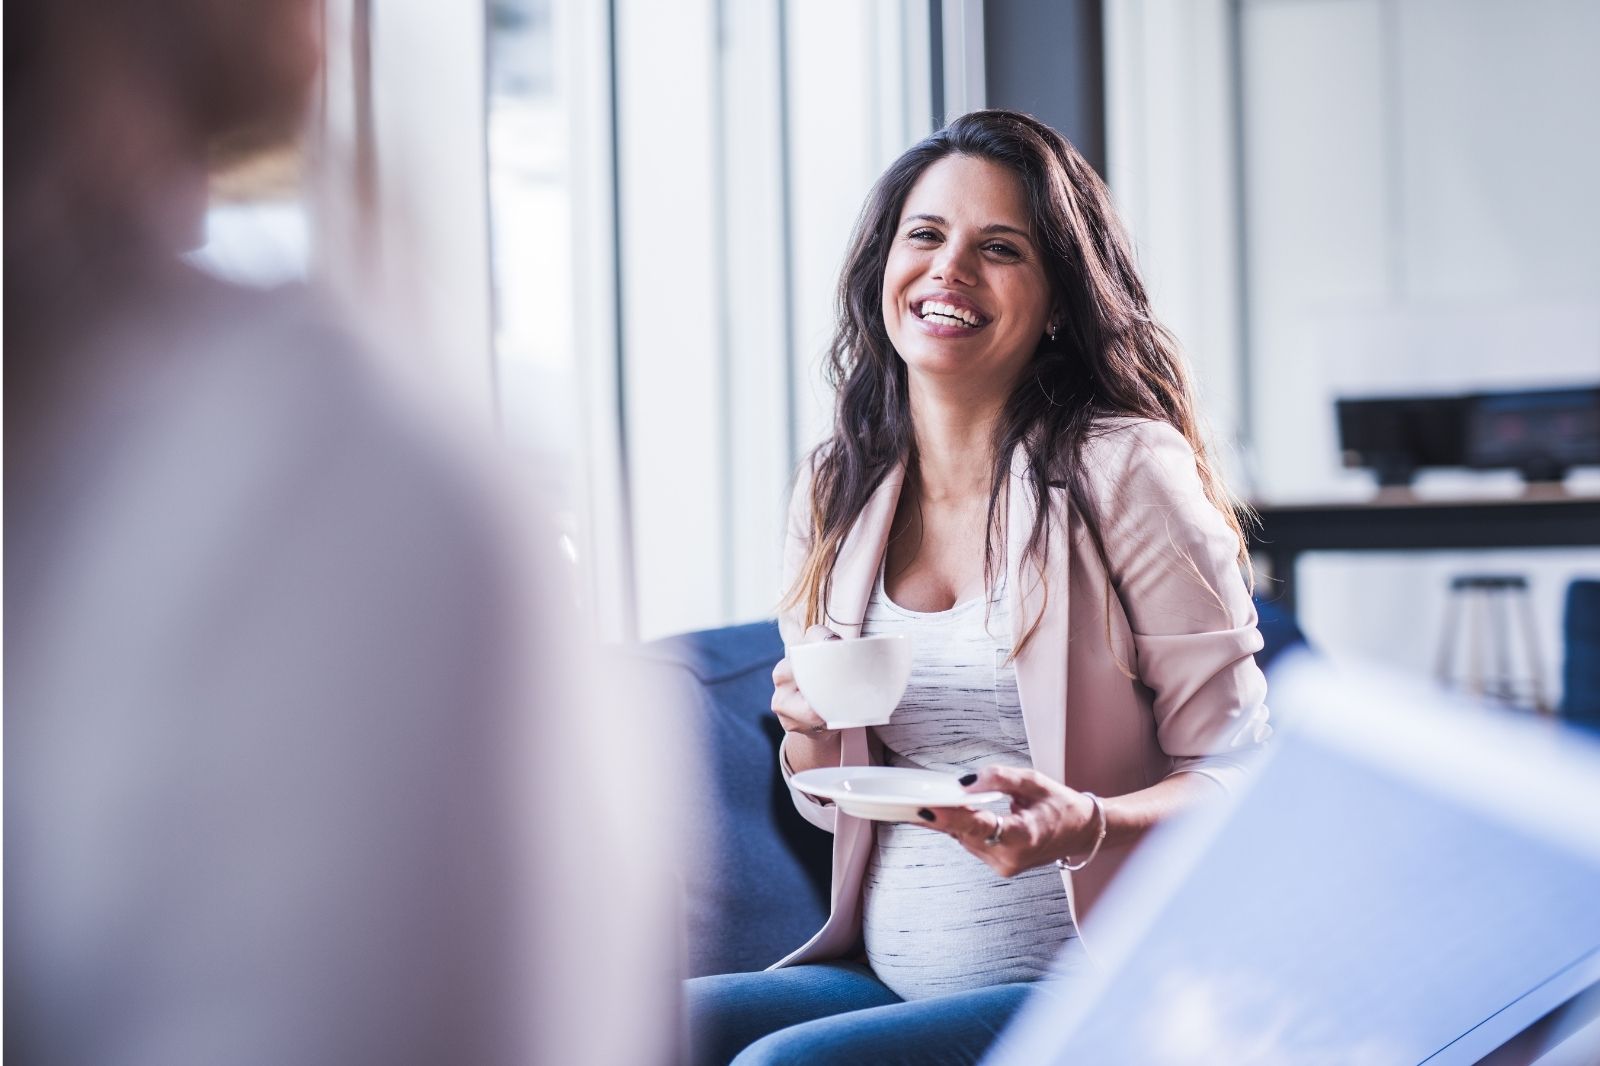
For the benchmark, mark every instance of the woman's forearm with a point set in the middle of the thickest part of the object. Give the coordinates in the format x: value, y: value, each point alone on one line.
x: 804, y: 752
x: 1131, y: 815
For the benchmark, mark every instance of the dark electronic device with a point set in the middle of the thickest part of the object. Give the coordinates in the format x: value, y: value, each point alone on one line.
x: 1397, y: 436
x: 1542, y: 433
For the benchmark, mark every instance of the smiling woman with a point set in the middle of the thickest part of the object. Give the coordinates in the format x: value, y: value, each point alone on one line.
x: 1015, y: 459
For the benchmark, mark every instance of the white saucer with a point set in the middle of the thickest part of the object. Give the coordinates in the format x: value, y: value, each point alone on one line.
x: 889, y: 793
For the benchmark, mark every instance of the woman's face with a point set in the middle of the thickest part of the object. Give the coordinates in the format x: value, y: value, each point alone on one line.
x: 964, y: 289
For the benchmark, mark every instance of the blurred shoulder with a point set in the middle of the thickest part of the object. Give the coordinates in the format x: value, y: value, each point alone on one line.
x: 228, y: 402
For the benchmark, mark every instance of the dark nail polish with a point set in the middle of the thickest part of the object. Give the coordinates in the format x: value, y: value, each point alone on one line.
x: 925, y: 814
x: 967, y: 779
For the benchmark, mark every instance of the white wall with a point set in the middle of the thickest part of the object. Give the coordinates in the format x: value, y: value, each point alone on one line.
x: 1419, y: 191
x: 1172, y: 173
x: 1318, y: 218
x: 1417, y: 185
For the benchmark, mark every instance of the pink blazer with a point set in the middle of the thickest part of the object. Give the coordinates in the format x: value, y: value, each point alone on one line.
x: 1172, y: 610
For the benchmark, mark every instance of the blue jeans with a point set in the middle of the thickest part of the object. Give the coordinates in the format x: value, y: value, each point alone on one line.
x: 837, y: 1013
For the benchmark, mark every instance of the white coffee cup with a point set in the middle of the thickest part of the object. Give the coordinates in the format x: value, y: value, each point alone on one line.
x: 853, y: 682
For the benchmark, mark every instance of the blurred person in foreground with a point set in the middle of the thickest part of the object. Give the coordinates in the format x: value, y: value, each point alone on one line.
x: 1017, y: 481
x: 274, y: 689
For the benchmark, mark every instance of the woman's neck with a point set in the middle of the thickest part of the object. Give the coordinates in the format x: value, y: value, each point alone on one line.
x: 955, y: 433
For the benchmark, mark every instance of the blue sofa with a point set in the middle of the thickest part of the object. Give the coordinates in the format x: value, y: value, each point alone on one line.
x: 754, y: 873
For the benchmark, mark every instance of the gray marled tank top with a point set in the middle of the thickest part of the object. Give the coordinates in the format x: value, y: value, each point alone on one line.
x: 936, y: 919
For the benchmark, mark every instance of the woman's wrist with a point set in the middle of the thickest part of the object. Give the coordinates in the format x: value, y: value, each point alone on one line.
x: 807, y: 751
x: 1089, y: 838
x: 1132, y: 814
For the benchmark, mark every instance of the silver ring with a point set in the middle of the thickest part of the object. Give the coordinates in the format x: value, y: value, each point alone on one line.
x: 999, y: 828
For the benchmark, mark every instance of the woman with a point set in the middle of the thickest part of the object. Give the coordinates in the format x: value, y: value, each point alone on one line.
x: 1017, y: 478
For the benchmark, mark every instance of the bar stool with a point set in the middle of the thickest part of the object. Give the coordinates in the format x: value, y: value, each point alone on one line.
x: 1487, y: 604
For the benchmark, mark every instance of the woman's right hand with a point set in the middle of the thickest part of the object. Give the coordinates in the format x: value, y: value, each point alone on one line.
x: 816, y: 744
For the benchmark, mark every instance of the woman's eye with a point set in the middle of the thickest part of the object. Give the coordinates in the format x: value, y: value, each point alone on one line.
x: 1000, y: 248
x: 923, y: 235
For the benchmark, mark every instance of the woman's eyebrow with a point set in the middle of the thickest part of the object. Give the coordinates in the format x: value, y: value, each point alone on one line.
x: 1001, y: 227
x: 993, y: 227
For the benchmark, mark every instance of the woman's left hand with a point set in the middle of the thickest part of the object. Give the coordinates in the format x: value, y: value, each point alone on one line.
x: 1048, y: 821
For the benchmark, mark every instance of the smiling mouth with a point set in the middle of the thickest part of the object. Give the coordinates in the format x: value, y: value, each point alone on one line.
x: 949, y: 315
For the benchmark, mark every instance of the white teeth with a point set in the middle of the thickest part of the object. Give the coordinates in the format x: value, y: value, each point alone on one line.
x: 944, y: 310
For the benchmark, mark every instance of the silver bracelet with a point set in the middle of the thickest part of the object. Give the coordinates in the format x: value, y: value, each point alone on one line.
x: 1100, y: 836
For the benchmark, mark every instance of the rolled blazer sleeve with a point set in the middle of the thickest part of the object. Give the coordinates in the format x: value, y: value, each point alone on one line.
x: 1173, y: 561
x: 791, y: 625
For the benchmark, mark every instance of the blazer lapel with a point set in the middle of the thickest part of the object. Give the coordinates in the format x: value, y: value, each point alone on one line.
x: 1042, y: 665
x: 855, y: 572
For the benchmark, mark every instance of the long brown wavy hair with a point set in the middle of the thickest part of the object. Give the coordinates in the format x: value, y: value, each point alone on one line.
x: 1110, y: 356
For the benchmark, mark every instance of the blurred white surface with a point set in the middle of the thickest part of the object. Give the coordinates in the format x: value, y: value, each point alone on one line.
x: 1408, y: 880
x: 261, y: 244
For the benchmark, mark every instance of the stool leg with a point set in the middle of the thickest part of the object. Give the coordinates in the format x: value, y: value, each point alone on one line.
x: 1474, y: 612
x: 1530, y: 631
x: 1447, y: 647
x: 1502, y: 686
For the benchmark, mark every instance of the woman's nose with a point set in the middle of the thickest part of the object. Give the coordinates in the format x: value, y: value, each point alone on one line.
x: 953, y: 264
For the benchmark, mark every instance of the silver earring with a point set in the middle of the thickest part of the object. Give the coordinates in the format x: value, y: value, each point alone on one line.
x: 1053, y: 330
